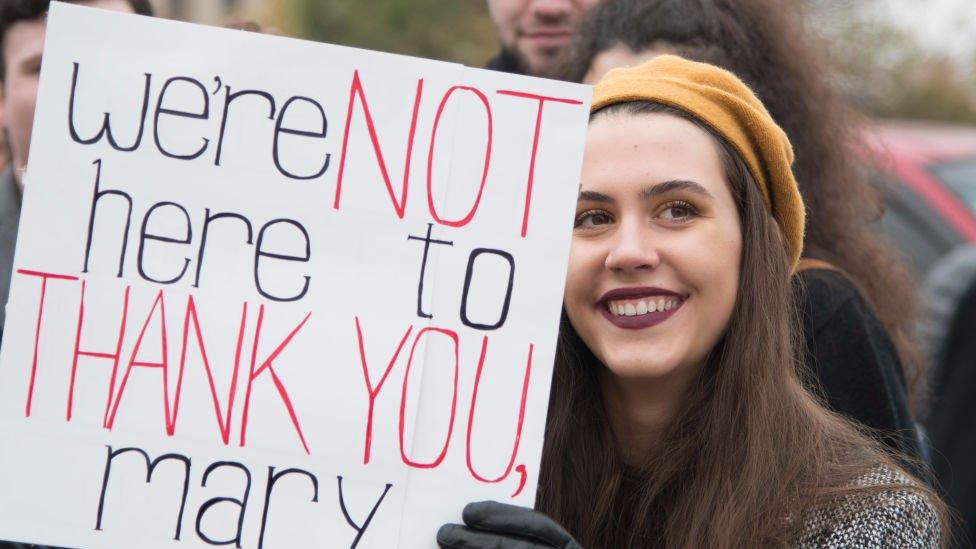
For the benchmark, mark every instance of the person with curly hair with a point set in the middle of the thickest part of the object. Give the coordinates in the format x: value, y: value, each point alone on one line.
x: 856, y: 298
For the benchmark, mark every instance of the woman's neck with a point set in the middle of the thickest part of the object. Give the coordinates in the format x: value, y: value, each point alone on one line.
x: 640, y: 411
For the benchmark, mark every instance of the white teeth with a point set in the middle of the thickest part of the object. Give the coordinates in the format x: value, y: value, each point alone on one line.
x: 641, y: 307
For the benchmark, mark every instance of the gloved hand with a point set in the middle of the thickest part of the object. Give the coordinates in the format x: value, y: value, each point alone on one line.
x: 493, y: 525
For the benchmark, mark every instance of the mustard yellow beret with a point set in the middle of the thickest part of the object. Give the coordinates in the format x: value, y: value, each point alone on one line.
x: 719, y: 99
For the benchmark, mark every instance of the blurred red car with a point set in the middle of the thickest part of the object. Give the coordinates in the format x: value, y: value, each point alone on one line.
x: 927, y: 172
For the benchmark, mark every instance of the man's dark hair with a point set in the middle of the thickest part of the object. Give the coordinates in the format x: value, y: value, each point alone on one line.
x: 12, y: 11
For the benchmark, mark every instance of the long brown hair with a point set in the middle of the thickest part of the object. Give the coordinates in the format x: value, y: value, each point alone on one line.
x: 749, y: 449
x: 766, y: 44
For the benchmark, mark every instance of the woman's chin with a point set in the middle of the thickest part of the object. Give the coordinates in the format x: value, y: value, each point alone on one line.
x: 640, y: 368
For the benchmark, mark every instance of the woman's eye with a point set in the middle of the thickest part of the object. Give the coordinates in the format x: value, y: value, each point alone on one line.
x: 678, y: 211
x: 592, y: 218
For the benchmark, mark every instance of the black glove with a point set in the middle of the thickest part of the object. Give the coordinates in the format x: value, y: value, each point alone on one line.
x: 493, y: 525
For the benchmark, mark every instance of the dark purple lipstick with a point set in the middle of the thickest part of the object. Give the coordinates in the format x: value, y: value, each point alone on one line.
x: 647, y: 294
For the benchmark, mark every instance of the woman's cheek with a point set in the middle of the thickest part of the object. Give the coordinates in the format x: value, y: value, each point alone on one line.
x: 725, y: 257
x: 710, y: 258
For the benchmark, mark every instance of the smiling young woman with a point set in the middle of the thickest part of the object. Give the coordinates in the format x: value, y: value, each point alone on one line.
x: 678, y: 417
x: 656, y: 224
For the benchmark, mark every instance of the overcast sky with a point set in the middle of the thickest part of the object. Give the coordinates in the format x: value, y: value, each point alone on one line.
x: 949, y: 25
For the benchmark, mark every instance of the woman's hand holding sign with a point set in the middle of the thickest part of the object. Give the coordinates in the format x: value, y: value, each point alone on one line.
x: 489, y: 524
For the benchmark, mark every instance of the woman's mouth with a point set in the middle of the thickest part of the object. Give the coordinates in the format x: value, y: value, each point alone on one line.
x: 635, y: 311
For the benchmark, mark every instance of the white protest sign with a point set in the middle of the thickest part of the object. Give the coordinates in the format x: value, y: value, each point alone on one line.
x: 272, y: 293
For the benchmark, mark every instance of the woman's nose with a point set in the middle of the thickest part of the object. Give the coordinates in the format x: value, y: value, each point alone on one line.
x: 632, y: 249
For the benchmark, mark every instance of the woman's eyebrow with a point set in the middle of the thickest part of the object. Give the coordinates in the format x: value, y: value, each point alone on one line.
x: 593, y: 196
x: 675, y: 185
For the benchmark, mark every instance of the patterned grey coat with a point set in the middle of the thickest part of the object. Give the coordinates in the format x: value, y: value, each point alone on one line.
x: 890, y: 519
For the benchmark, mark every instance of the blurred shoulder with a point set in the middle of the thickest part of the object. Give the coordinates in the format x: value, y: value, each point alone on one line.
x: 822, y: 295
x: 891, y: 511
x: 825, y: 286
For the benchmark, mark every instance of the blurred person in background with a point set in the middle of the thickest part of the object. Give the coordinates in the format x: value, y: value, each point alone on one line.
x: 22, y: 27
x: 534, y: 33
x: 947, y: 333
x: 854, y: 295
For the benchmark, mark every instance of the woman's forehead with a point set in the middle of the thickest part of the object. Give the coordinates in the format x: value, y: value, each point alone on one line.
x: 624, y: 150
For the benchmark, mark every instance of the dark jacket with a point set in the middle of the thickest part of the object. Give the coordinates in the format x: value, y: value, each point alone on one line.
x: 953, y: 413
x: 504, y: 62
x: 856, y: 363
x: 9, y: 220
